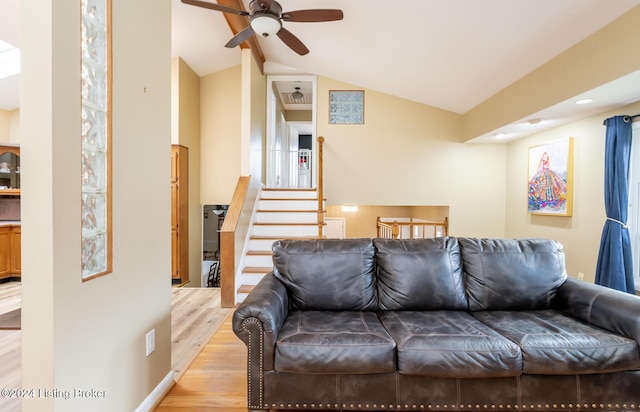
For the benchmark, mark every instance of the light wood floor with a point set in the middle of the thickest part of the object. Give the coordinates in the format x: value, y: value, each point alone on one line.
x: 195, y: 316
x: 217, y: 379
x: 10, y: 342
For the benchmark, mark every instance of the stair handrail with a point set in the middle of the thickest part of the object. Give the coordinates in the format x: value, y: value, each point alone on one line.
x: 320, y: 187
x: 232, y: 236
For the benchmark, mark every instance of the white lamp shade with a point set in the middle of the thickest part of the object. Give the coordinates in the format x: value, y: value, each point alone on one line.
x: 265, y: 25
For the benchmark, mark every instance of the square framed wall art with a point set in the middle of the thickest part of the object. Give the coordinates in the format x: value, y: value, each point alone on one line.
x: 346, y: 107
x: 550, y: 178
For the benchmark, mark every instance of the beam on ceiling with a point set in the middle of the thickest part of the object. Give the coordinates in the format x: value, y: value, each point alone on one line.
x: 237, y: 23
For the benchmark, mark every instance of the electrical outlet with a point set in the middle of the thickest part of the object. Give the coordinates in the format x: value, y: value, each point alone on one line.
x: 580, y: 275
x: 151, y: 341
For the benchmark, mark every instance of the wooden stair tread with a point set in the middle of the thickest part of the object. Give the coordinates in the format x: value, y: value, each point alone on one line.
x: 259, y: 253
x: 258, y: 237
x: 257, y: 269
x: 290, y: 211
x: 293, y: 189
x: 245, y: 288
x: 287, y: 199
x: 286, y: 224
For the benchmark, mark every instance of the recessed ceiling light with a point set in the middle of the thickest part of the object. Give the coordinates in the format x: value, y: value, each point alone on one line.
x: 500, y: 135
x: 534, y: 121
x: 9, y: 60
x: 584, y: 101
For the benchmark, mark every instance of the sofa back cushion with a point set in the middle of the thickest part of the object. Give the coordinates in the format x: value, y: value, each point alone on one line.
x: 511, y: 274
x: 420, y: 274
x: 327, y: 274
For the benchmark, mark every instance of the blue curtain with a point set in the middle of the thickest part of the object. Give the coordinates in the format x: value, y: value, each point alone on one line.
x: 615, y: 263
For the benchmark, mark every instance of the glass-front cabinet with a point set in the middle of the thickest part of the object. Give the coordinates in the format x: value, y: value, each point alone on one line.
x: 9, y: 171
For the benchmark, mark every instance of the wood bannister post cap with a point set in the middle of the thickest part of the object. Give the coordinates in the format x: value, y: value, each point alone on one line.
x: 321, y: 139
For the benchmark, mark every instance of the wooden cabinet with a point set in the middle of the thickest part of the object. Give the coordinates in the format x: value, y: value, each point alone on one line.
x: 9, y: 170
x: 10, y: 251
x: 5, y: 252
x: 179, y: 214
x: 15, y: 238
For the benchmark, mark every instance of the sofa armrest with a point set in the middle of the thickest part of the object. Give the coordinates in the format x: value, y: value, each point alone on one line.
x: 600, y: 306
x: 258, y: 319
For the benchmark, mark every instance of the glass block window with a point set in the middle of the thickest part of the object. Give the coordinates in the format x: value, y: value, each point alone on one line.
x: 96, y: 138
x: 346, y: 107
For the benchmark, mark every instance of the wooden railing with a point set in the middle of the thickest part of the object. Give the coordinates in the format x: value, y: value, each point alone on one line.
x: 392, y: 228
x: 320, y: 188
x: 233, y: 234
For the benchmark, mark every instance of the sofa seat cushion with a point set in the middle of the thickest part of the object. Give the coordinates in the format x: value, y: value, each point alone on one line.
x: 556, y: 344
x: 450, y: 344
x: 337, y: 342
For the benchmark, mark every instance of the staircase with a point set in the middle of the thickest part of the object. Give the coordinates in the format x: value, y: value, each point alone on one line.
x: 279, y: 214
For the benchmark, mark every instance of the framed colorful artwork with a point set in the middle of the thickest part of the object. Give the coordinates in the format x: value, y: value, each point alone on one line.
x: 550, y: 178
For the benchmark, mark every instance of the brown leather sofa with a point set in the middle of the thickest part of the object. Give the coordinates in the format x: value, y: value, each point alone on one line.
x: 446, y: 324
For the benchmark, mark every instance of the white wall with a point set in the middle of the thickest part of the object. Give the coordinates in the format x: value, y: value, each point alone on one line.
x: 254, y: 107
x: 91, y: 335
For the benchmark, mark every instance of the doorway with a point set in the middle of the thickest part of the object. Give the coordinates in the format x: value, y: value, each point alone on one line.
x: 291, y: 131
x: 212, y: 220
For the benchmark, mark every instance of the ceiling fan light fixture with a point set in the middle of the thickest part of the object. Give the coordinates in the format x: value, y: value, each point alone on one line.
x: 265, y: 24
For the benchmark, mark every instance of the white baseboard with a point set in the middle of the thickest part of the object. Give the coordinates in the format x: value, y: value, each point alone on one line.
x: 156, y: 395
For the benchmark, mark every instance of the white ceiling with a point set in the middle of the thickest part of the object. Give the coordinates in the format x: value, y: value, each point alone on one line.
x: 451, y: 54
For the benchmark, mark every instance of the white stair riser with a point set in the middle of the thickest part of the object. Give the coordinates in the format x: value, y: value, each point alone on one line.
x: 280, y: 202
x: 261, y: 244
x: 288, y: 205
x: 251, y: 278
x: 285, y: 230
x: 290, y: 194
x: 258, y: 260
x: 287, y: 217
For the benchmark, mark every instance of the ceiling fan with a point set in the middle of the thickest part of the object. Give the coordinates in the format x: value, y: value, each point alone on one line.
x: 266, y: 17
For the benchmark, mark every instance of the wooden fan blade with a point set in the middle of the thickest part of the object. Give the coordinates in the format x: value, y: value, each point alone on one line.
x: 214, y: 6
x: 240, y: 38
x: 313, y: 15
x: 293, y: 42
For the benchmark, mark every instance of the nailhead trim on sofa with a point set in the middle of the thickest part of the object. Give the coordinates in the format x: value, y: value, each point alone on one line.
x: 532, y: 407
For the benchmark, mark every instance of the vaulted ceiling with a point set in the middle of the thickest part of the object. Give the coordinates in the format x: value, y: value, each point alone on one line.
x: 451, y: 54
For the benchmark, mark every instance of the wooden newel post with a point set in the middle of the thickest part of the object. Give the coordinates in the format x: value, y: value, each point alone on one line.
x: 395, y: 230
x: 320, y: 188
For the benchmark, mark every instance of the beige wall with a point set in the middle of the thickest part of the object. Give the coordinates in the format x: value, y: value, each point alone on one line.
x: 598, y: 59
x: 363, y: 222
x: 408, y: 153
x: 220, y: 121
x: 10, y: 126
x: 299, y: 115
x: 185, y: 130
x: 91, y: 335
x: 580, y: 233
x: 4, y: 126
